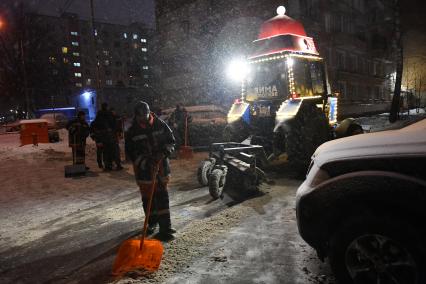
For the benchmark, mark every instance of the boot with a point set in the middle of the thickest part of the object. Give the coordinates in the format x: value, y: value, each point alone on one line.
x: 151, y: 229
x: 166, y: 230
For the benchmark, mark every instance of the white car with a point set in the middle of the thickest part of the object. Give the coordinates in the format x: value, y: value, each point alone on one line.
x: 363, y: 205
x: 55, y: 120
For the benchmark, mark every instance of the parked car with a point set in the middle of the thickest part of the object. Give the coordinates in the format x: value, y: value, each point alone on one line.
x: 55, y: 120
x: 206, y: 126
x: 362, y: 205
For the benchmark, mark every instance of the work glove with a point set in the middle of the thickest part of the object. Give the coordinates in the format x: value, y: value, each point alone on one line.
x: 169, y: 149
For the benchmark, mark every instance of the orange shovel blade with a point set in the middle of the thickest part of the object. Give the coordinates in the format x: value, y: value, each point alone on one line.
x: 131, y: 257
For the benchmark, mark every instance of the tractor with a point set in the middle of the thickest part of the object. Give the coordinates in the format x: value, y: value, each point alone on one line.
x: 286, y: 105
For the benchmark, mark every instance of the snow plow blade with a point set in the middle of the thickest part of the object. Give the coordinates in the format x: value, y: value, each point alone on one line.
x: 131, y: 256
x: 75, y: 170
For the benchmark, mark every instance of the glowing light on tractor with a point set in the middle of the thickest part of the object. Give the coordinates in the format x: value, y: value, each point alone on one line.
x: 238, y: 70
x: 290, y: 63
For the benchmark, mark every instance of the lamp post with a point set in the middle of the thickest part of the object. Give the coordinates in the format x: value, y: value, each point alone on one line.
x: 397, y: 43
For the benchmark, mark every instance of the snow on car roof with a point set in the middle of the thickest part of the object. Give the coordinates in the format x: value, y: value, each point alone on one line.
x: 196, y: 109
x: 25, y: 121
x: 407, y: 141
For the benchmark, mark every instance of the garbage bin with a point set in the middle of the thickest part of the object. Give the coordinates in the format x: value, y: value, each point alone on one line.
x: 33, y: 131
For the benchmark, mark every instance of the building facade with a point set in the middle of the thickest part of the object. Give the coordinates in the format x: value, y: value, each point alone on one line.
x: 196, y: 39
x: 76, y: 62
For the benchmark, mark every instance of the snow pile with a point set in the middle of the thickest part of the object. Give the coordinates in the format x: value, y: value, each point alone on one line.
x: 381, y: 122
x: 10, y: 146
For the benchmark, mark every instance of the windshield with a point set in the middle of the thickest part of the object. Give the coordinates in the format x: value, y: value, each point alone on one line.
x: 268, y: 80
x: 308, y: 77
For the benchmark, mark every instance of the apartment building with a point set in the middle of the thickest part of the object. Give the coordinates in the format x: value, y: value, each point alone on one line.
x: 116, y: 56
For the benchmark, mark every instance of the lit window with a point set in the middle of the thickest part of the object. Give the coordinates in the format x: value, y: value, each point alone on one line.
x: 135, y: 46
x: 88, y: 82
x: 77, y: 74
x: 144, y: 49
x: 79, y: 85
x: 77, y: 64
x: 74, y: 43
x: 74, y: 33
x: 109, y: 82
x: 106, y: 62
x: 66, y: 60
x: 64, y: 50
x: 135, y: 36
x: 145, y: 67
x: 145, y: 85
x: 125, y: 35
x: 52, y: 59
x: 76, y: 54
x: 106, y: 52
x: 96, y: 32
x: 143, y: 39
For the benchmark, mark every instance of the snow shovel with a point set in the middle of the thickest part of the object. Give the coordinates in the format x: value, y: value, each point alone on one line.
x: 140, y: 253
x: 185, y: 151
x: 75, y: 169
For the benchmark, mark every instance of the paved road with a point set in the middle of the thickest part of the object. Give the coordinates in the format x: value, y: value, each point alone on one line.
x: 80, y: 247
x: 264, y: 248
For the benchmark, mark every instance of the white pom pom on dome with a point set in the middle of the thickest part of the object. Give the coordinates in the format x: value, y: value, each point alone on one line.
x: 281, y: 10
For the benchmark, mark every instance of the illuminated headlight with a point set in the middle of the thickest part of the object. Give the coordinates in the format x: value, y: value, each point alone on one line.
x: 238, y: 70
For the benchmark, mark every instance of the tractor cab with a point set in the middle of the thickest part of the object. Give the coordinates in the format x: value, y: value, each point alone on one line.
x: 284, y: 69
x: 283, y: 75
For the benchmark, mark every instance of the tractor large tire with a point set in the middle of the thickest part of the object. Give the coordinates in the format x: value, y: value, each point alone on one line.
x: 203, y: 172
x: 236, y: 132
x: 308, y: 130
x: 217, y: 181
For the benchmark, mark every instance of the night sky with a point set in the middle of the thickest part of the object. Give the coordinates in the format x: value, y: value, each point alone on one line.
x: 111, y: 11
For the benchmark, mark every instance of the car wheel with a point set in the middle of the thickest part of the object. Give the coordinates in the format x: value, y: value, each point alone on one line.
x: 217, y: 181
x: 204, y: 171
x: 371, y: 250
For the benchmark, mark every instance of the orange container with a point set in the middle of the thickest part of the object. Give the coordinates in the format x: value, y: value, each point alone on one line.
x: 34, y: 131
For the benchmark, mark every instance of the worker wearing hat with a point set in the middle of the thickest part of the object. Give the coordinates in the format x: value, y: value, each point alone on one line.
x: 149, y: 142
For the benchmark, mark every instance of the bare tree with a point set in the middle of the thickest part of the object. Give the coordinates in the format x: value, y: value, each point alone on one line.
x: 28, y: 66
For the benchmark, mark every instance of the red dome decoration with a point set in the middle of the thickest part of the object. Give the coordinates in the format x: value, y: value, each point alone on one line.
x: 281, y: 25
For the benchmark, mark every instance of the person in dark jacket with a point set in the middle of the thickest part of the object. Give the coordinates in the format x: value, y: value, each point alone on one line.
x: 149, y: 143
x: 78, y: 130
x: 96, y: 135
x: 105, y: 125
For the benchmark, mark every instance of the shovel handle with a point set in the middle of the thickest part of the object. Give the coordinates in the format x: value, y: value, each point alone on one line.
x: 151, y: 195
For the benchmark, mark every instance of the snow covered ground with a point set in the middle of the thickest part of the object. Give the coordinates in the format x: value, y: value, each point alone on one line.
x: 66, y: 230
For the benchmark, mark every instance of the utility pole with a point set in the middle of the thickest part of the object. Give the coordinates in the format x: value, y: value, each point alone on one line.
x: 393, y: 116
x: 95, y: 46
x: 24, y: 71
